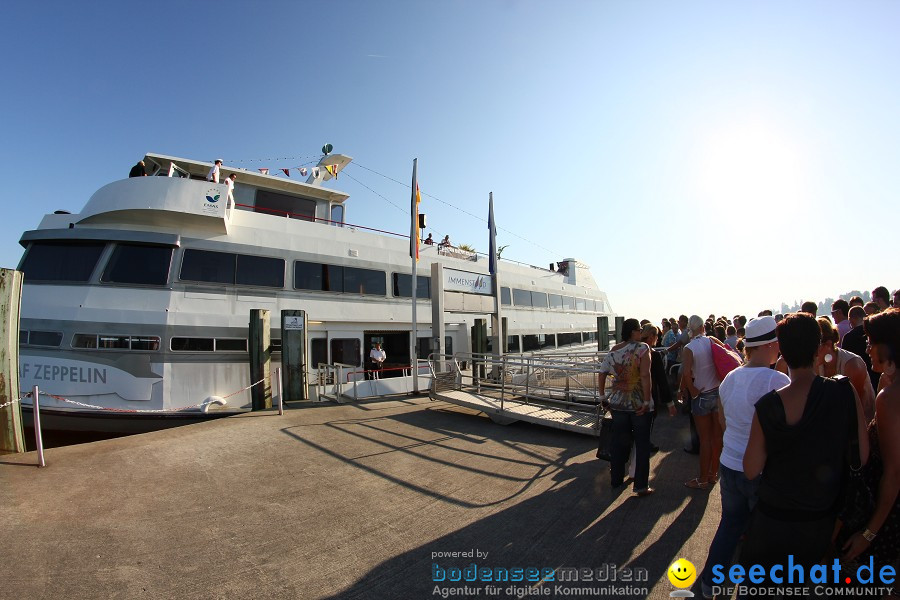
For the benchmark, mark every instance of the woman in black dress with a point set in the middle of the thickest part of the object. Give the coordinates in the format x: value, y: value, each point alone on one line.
x: 799, y: 442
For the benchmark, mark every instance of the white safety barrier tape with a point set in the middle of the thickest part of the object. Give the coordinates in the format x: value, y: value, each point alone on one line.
x: 149, y: 410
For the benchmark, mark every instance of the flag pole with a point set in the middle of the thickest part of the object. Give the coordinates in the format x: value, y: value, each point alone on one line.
x: 497, y: 315
x: 414, y: 254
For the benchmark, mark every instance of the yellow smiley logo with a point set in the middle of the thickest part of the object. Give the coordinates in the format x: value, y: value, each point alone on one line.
x: 682, y: 573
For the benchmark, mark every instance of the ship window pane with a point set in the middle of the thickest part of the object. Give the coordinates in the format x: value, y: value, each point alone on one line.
x: 23, y: 337
x: 337, y: 214
x: 539, y: 299
x: 364, y: 281
x: 84, y: 340
x: 145, y: 265
x: 140, y: 342
x: 512, y: 343
x: 589, y: 336
x: 547, y: 340
x: 318, y: 277
x: 402, y: 284
x: 568, y: 303
x: 556, y: 301
x: 448, y: 345
x: 114, y: 342
x: 346, y: 351
x: 206, y: 265
x: 530, y: 342
x: 47, y: 261
x: 45, y: 338
x: 521, y: 297
x: 568, y: 339
x: 226, y: 345
x: 260, y: 270
x: 505, y: 297
x: 318, y: 352
x: 579, y: 303
x: 182, y: 344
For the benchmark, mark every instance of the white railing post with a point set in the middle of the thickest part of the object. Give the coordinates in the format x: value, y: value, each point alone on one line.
x: 280, y: 389
x: 38, y: 441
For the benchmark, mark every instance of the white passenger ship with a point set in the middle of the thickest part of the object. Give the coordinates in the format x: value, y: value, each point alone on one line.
x: 142, y: 300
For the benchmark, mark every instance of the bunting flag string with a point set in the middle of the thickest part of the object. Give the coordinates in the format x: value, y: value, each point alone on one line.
x: 332, y: 170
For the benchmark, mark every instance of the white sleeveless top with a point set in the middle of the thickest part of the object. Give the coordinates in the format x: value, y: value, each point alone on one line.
x: 705, y: 376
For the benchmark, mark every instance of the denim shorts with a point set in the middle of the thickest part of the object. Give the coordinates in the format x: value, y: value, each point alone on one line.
x: 706, y: 403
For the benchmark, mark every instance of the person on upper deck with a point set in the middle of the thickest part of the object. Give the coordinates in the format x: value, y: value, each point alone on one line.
x: 213, y: 174
x: 429, y: 240
x: 445, y: 243
x: 138, y: 170
x: 229, y: 182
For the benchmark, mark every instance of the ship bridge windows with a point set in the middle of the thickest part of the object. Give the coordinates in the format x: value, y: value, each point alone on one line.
x: 138, y: 264
x: 556, y: 301
x: 228, y: 268
x: 505, y: 296
x: 274, y: 203
x: 322, y: 277
x: 61, y: 261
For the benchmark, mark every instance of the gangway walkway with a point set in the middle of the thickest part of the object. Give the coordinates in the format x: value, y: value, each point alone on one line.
x: 559, y: 392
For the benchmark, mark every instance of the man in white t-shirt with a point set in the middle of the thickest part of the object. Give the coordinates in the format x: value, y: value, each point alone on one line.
x: 738, y: 394
x: 229, y: 182
x: 213, y: 174
x: 377, y: 356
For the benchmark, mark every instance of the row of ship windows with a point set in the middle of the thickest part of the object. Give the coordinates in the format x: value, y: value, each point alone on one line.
x: 137, y: 264
x: 346, y: 349
x: 103, y: 341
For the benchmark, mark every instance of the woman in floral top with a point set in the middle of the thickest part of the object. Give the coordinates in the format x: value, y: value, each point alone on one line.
x: 630, y: 404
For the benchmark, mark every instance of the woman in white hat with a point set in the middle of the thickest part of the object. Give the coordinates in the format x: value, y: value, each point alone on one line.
x: 738, y: 394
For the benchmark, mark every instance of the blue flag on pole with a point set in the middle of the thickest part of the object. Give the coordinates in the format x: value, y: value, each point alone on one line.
x: 492, y: 228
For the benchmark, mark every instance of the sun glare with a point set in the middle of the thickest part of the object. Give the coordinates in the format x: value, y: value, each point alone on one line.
x: 752, y: 165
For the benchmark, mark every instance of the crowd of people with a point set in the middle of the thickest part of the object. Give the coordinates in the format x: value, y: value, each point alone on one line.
x: 801, y: 431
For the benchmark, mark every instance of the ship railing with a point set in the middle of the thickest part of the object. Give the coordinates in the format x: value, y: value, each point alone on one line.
x: 572, y: 384
x: 339, y: 380
x: 330, y: 380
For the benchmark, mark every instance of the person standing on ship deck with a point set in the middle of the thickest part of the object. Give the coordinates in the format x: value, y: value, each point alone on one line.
x: 213, y: 174
x: 377, y: 356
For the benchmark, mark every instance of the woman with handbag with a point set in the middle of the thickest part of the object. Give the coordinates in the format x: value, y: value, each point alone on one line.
x: 631, y: 405
x: 880, y: 536
x: 702, y: 383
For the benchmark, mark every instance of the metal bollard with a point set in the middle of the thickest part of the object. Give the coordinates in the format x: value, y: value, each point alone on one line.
x: 38, y: 442
x: 280, y: 389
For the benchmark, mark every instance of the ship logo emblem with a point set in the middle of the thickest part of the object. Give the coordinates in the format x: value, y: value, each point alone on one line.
x: 213, y: 199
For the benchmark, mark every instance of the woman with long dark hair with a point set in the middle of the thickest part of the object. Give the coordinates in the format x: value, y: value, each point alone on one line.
x: 881, y: 535
x: 631, y: 405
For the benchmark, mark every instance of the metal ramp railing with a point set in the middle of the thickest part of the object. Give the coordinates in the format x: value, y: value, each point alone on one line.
x: 559, y: 391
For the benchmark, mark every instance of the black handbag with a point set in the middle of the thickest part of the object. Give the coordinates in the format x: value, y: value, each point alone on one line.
x: 604, y: 442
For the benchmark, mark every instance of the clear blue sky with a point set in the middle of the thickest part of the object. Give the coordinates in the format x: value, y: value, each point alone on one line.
x: 700, y: 156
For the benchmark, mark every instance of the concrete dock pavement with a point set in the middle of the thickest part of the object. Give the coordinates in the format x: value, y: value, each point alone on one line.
x: 341, y: 501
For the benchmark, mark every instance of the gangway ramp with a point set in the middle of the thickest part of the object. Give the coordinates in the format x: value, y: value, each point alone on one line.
x: 549, y: 391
